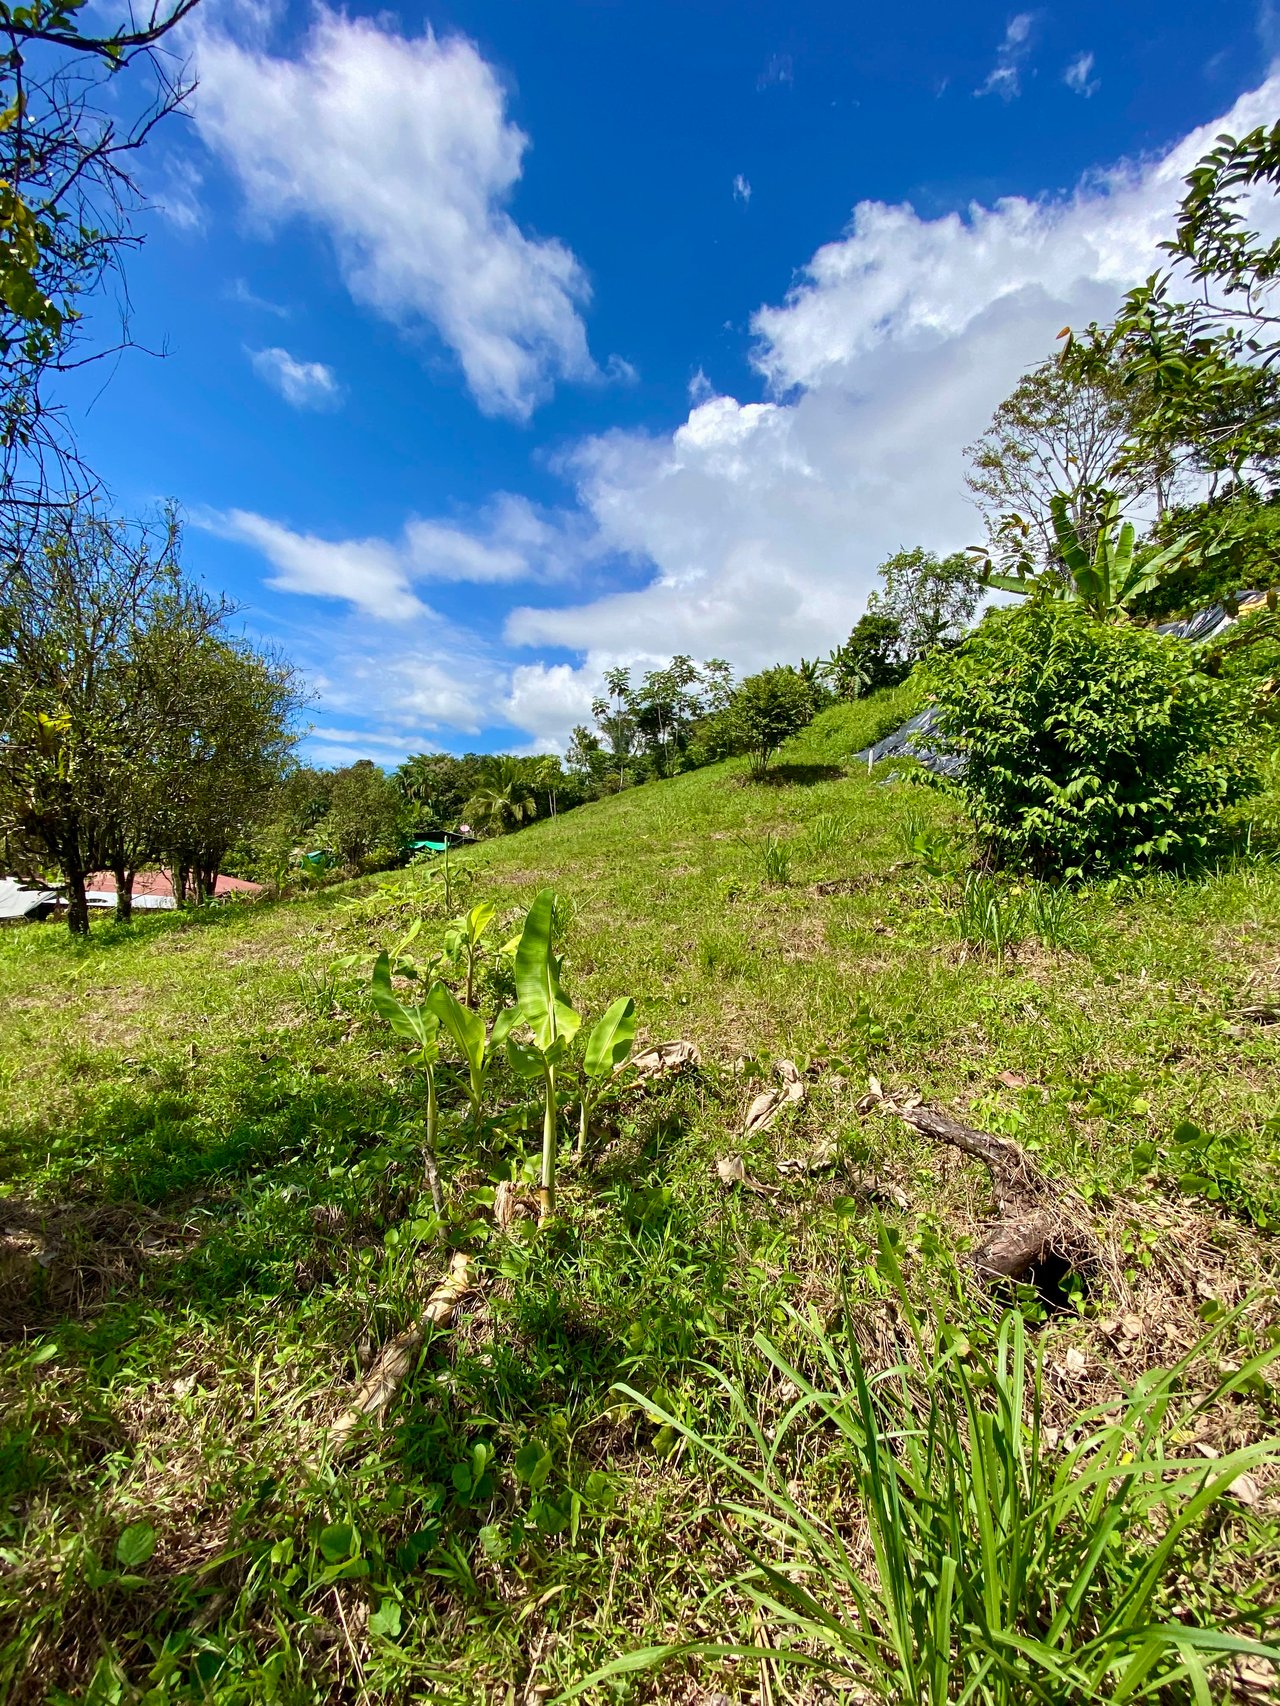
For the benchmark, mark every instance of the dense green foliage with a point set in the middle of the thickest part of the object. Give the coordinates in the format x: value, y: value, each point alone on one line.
x: 766, y: 710
x: 1103, y: 568
x: 133, y: 726
x: 1089, y: 747
x: 1236, y: 548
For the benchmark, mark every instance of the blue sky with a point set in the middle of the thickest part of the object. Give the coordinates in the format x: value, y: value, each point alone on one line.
x: 507, y: 342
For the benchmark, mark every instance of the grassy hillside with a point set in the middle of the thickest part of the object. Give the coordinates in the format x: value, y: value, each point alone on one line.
x: 207, y: 1137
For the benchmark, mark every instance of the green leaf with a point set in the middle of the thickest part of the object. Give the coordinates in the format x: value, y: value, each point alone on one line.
x: 525, y: 1062
x: 135, y: 1545
x: 479, y: 919
x: 337, y: 1542
x: 386, y: 1619
x: 527, y: 1459
x: 416, y: 1023
x: 611, y: 1039
x: 465, y: 1027
x: 543, y: 1003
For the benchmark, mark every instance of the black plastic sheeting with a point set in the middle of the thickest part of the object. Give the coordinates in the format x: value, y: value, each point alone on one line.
x: 911, y: 740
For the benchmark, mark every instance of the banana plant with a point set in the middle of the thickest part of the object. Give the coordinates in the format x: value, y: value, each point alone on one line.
x: 541, y: 1004
x: 474, y: 1043
x: 608, y: 1046
x: 420, y: 1025
x: 462, y: 943
x: 1106, y: 581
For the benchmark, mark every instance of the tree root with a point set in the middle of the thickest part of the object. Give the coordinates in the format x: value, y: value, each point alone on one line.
x: 395, y: 1359
x: 1039, y: 1218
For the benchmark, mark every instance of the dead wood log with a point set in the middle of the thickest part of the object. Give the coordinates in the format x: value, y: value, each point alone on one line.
x: 1016, y: 1244
x: 1038, y: 1216
x: 395, y: 1359
x: 1008, y: 1163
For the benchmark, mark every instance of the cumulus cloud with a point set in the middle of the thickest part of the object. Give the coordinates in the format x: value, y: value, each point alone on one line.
x: 401, y: 150
x: 548, y: 701
x: 302, y: 384
x: 1079, y: 76
x: 761, y: 523
x: 1005, y: 77
x: 752, y: 529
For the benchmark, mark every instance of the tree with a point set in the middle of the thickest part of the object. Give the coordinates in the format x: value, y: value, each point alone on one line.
x: 68, y: 127
x: 1233, y: 543
x: 587, y: 758
x: 932, y: 599
x: 871, y: 658
x: 220, y: 756
x: 365, y: 814
x: 504, y: 799
x: 131, y: 726
x: 437, y: 785
x: 546, y: 777
x: 146, y: 696
x: 69, y: 612
x: 766, y: 710
x: 1201, y: 341
x: 615, y: 719
x: 664, y: 708
x: 1062, y: 432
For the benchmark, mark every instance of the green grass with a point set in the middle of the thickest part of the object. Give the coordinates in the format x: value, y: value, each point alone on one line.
x: 206, y: 1138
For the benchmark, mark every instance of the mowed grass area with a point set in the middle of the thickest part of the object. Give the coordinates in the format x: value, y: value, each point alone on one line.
x: 206, y: 1137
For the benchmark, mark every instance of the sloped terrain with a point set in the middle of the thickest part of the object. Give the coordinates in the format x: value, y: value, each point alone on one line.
x: 214, y: 1217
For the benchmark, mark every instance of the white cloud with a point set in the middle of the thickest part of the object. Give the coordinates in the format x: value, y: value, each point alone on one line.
x: 752, y: 529
x: 1005, y: 77
x: 741, y: 189
x: 302, y: 384
x: 1079, y: 76
x: 760, y: 524
x: 548, y: 700
x: 417, y: 692
x: 240, y: 291
x: 700, y: 388
x: 176, y: 193
x: 401, y: 150
x: 368, y: 574
x: 510, y: 540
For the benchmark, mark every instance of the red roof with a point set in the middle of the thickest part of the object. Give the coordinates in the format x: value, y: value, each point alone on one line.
x: 160, y: 883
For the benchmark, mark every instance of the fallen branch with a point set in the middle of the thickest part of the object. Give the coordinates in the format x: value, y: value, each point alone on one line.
x: 395, y: 1359
x: 1016, y: 1244
x: 1006, y: 1161
x: 1038, y: 1217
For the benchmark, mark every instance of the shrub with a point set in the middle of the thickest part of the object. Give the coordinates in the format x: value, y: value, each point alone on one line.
x: 766, y: 710
x: 1088, y: 747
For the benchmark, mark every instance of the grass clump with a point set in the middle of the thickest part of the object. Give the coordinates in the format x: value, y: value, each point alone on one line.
x: 967, y: 1554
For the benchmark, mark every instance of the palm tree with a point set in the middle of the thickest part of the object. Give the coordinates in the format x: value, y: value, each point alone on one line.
x: 504, y: 798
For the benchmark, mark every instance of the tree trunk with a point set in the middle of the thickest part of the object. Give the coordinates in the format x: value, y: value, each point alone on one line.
x: 77, y: 905
x: 179, y: 877
x: 124, y: 893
